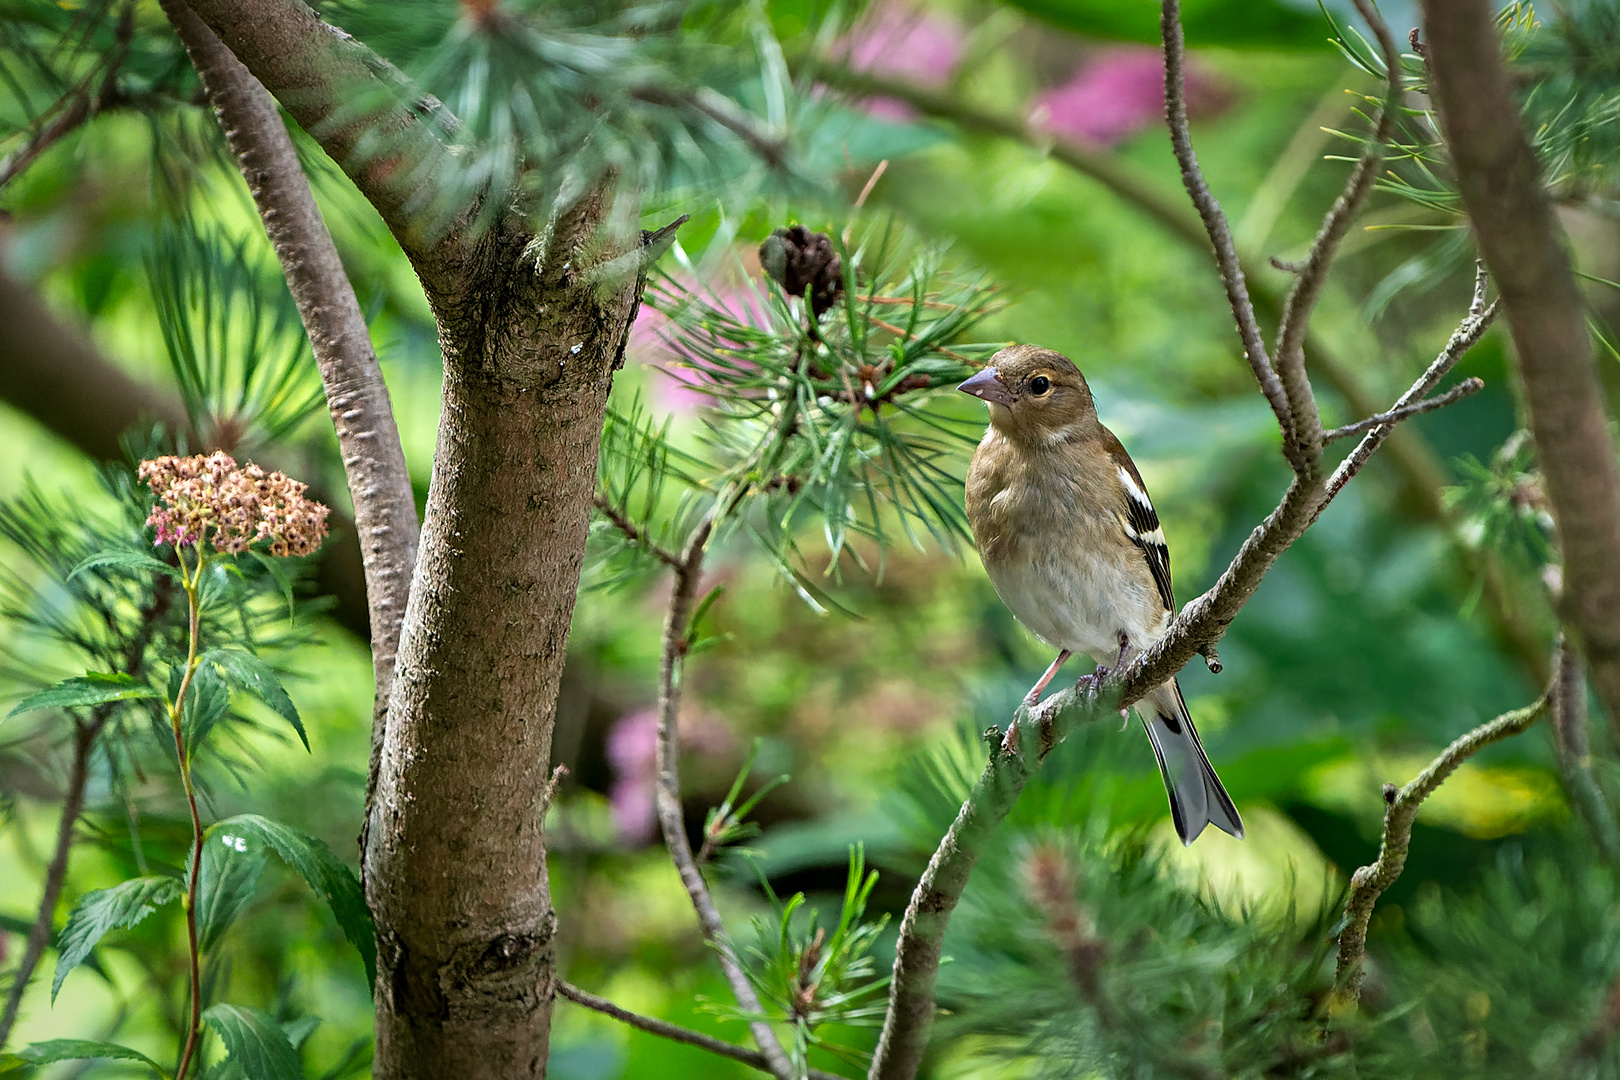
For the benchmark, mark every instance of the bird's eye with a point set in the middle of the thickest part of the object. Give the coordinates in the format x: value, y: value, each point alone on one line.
x: 1039, y: 385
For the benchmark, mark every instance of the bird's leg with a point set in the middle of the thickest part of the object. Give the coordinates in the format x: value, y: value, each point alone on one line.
x: 1034, y: 694
x: 1093, y: 681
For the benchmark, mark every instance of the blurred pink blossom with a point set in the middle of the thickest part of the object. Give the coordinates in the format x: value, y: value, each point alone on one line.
x: 632, y: 751
x: 677, y: 386
x: 914, y: 45
x: 1118, y: 93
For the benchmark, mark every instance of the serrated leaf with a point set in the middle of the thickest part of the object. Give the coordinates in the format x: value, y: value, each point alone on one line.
x: 123, y: 905
x: 128, y: 559
x: 230, y: 871
x: 324, y: 872
x: 91, y: 688
x: 206, y: 703
x: 256, y: 1044
x: 51, y: 1050
x: 256, y: 677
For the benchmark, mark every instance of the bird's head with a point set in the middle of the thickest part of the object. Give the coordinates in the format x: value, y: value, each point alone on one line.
x: 1035, y: 395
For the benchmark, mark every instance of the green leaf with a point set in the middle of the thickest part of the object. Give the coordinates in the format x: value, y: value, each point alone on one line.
x: 322, y: 870
x: 256, y: 1044
x: 91, y: 688
x: 123, y: 905
x: 256, y: 677
x: 207, y: 701
x: 230, y: 871
x: 51, y: 1050
x: 128, y: 559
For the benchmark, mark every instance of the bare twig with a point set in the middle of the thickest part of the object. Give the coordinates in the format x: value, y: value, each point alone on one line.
x: 1463, y: 389
x: 665, y: 1029
x: 1521, y: 241
x: 1369, y: 882
x: 677, y: 623
x: 1220, y: 232
x: 356, y: 395
x: 634, y: 534
x: 770, y: 147
x: 1312, y: 273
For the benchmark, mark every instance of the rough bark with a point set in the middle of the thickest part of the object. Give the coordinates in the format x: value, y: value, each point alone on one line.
x: 356, y: 395
x: 1523, y: 247
x: 455, y: 858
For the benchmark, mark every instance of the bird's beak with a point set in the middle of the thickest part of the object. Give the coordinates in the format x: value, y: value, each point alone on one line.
x: 988, y: 386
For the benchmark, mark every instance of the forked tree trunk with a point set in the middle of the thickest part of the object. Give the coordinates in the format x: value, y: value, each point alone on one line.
x: 455, y: 867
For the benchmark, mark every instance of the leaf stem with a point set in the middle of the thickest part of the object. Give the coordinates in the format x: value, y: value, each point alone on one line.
x: 190, y: 581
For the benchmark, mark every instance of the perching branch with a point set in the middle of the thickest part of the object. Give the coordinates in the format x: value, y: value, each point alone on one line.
x: 356, y: 395
x: 1290, y: 349
x: 677, y: 627
x: 1369, y: 882
x: 665, y: 1029
x: 1204, y: 621
x: 1466, y: 388
x: 1220, y: 232
x: 1519, y: 239
x: 1197, y: 629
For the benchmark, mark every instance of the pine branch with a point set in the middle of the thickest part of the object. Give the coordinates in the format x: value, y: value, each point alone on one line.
x: 85, y: 734
x: 1369, y: 882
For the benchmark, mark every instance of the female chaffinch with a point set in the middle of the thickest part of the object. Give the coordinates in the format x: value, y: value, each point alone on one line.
x: 1073, y: 546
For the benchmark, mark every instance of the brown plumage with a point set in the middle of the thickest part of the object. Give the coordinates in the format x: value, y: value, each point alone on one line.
x: 1073, y: 546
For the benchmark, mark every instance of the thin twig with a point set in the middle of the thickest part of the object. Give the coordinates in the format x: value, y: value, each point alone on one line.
x: 1220, y: 232
x: 1470, y: 330
x: 634, y: 534
x: 688, y: 569
x: 1312, y: 274
x: 1463, y: 389
x: 1369, y: 882
x: 665, y: 1029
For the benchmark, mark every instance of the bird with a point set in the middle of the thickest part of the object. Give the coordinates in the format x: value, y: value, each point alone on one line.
x: 1073, y: 546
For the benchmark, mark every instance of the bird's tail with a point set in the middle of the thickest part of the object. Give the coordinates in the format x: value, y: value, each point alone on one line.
x: 1196, y: 795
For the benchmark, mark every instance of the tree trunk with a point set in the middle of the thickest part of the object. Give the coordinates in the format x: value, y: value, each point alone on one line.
x: 456, y: 871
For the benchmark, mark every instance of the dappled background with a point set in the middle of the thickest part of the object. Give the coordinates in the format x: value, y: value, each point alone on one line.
x: 1023, y: 144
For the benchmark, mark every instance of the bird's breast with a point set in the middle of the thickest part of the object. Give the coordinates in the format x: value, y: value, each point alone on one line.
x: 1058, y: 558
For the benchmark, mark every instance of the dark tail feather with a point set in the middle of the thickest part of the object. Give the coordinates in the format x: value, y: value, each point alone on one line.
x: 1196, y: 795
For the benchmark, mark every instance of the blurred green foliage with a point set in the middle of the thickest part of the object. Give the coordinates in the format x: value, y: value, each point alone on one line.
x: 1089, y: 943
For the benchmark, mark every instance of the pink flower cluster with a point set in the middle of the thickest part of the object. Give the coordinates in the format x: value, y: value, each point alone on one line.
x: 202, y: 497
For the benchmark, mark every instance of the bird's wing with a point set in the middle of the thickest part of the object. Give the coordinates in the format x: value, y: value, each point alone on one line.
x: 1141, y: 521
